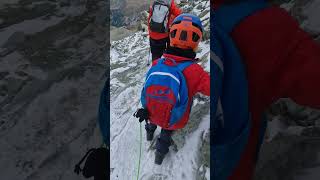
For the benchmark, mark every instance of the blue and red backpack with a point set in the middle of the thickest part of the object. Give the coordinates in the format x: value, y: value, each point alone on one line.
x: 165, y: 92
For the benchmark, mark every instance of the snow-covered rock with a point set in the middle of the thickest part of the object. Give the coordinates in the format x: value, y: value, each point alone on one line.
x: 50, y: 83
x: 129, y: 58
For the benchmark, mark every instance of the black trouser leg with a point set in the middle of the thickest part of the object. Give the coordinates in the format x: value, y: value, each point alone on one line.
x: 150, y: 128
x: 158, y: 47
x: 164, y: 141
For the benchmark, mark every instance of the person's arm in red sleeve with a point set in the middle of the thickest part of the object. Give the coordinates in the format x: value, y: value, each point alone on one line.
x: 302, y: 70
x: 175, y: 11
x: 282, y: 60
x: 203, y: 82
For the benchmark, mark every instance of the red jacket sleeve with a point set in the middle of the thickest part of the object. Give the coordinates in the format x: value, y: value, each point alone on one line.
x: 198, y: 80
x: 282, y: 60
x: 204, y: 83
x: 175, y: 11
x: 298, y: 65
x: 302, y: 70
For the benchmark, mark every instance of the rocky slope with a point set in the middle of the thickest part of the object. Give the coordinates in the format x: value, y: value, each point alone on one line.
x: 52, y: 65
x: 127, y: 12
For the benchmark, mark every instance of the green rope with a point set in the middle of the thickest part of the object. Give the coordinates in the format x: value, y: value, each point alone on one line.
x: 139, y: 153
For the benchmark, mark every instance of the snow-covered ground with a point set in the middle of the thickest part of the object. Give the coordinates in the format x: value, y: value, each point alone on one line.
x: 129, y: 58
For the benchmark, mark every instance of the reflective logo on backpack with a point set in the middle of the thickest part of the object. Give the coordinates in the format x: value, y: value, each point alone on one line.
x: 160, y: 16
x: 165, y: 93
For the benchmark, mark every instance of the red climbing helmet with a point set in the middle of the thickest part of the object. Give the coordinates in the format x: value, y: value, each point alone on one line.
x: 186, y: 32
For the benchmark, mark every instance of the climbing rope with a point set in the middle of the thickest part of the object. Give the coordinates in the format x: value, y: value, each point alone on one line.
x: 139, y: 152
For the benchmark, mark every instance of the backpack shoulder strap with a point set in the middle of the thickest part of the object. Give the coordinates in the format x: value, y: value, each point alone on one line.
x: 160, y: 60
x: 183, y: 65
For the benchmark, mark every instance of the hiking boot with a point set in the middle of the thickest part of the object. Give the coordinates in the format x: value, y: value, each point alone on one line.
x: 150, y: 135
x: 150, y: 128
x: 158, y: 158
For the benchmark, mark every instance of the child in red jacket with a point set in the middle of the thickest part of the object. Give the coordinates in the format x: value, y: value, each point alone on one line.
x: 161, y: 15
x: 185, y: 35
x: 281, y: 61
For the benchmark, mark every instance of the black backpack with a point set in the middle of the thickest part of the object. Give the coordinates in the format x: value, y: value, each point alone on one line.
x: 96, y: 164
x: 160, y: 16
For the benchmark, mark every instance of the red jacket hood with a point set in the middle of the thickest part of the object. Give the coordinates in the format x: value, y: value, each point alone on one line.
x: 174, y: 57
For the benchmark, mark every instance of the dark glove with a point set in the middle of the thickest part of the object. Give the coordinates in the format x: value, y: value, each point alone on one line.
x: 142, y: 114
x: 96, y: 164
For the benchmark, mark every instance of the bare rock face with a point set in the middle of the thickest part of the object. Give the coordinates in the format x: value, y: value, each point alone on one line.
x: 119, y: 33
x: 291, y: 144
x: 127, y: 12
x: 288, y: 156
x: 1, y: 21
